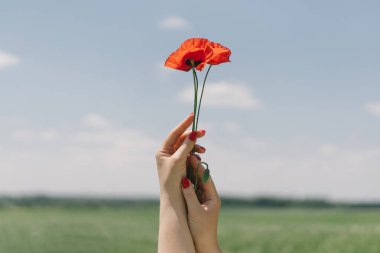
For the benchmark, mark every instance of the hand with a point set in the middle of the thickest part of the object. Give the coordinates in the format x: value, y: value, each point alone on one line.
x: 171, y: 157
x: 203, y: 213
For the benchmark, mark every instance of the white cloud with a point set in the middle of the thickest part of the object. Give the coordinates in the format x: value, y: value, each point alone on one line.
x: 307, y: 170
x: 23, y: 135
x: 49, y: 135
x: 224, y: 94
x: 104, y: 158
x: 118, y: 160
x: 231, y: 127
x: 94, y: 120
x: 174, y: 23
x: 374, y: 108
x: 29, y: 135
x: 328, y: 149
x: 7, y: 60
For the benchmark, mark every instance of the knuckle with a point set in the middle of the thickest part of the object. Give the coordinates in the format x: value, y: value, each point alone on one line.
x: 175, y: 159
x: 188, y: 194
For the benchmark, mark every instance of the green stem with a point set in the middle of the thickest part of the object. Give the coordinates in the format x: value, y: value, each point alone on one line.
x: 196, y: 178
x: 205, y: 176
x: 200, y: 100
x: 195, y: 79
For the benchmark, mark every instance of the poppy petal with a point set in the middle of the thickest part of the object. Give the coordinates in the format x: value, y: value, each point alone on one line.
x: 193, y: 49
x: 217, y: 54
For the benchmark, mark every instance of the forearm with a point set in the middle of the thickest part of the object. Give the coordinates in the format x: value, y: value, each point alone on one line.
x: 207, y: 243
x: 207, y: 248
x: 174, y: 233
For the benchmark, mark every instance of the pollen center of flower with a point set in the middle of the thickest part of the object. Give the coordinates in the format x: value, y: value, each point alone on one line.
x: 197, y: 63
x: 191, y: 62
x: 188, y: 62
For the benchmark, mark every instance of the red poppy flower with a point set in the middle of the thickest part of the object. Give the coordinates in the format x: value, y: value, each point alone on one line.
x: 191, y: 50
x: 196, y: 53
x: 217, y: 54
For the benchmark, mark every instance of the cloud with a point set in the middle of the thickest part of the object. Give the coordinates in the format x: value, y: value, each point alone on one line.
x: 7, y: 60
x: 231, y: 127
x: 28, y: 135
x: 328, y: 149
x: 102, y: 158
x: 294, y: 169
x: 94, y: 120
x: 115, y: 159
x: 224, y: 94
x: 174, y: 23
x: 374, y: 108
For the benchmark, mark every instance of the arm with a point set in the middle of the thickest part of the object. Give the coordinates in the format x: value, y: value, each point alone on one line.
x: 203, y: 213
x: 174, y: 233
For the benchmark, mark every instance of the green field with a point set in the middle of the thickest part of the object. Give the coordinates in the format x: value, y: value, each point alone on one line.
x: 108, y: 230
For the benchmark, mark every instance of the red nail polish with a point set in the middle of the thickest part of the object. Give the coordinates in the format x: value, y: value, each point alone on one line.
x: 185, y: 182
x: 193, y: 136
x: 198, y: 157
x: 203, y: 148
x: 202, y: 131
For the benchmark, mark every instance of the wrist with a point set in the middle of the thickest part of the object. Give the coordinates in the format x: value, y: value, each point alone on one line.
x: 168, y: 196
x: 207, y: 245
x: 172, y: 200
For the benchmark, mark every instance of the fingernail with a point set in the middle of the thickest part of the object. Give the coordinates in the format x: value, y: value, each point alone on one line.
x: 191, y: 113
x: 203, y: 148
x: 197, y: 156
x: 202, y: 131
x: 193, y: 136
x: 185, y: 182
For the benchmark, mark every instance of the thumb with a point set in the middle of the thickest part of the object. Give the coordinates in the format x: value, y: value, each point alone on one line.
x: 191, y: 199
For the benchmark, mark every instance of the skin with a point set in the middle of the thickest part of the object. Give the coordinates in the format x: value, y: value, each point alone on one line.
x: 174, y: 232
x: 203, y: 213
x: 185, y: 226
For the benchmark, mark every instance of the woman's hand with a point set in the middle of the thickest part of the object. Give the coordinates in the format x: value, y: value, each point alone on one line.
x: 171, y: 157
x: 203, y: 213
x: 174, y: 233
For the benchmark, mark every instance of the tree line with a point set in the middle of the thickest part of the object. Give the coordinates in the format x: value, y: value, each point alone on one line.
x: 227, y: 201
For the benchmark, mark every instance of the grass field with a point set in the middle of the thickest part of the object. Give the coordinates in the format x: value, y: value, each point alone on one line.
x: 107, y: 230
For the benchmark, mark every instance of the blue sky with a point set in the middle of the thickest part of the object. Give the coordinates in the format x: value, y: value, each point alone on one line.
x: 85, y: 99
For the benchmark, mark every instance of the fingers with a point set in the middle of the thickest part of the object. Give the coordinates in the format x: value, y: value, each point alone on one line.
x: 181, y: 139
x: 209, y: 190
x: 176, y: 133
x: 199, y: 149
x: 188, y: 144
x: 189, y: 195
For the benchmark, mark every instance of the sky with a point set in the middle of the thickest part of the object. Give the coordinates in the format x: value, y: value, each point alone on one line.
x: 85, y: 100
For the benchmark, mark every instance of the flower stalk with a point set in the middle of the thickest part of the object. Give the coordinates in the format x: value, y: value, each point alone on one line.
x: 200, y: 100
x: 197, y: 108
